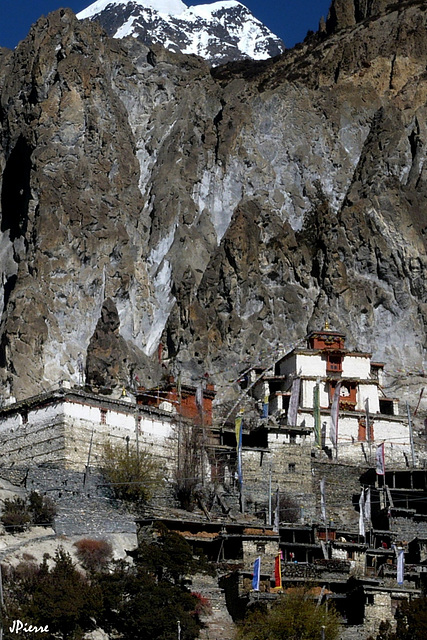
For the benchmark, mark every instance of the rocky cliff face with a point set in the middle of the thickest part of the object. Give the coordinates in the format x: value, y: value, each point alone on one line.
x: 145, y: 199
x: 347, y: 13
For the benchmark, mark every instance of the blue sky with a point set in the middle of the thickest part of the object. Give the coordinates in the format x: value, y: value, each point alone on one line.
x: 290, y: 20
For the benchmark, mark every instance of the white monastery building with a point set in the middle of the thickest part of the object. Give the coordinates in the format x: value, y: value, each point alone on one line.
x: 299, y: 390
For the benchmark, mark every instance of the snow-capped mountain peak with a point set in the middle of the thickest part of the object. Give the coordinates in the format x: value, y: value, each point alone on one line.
x: 169, y: 7
x: 219, y: 32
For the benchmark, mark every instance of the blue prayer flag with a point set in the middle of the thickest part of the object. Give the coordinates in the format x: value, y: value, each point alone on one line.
x: 257, y: 573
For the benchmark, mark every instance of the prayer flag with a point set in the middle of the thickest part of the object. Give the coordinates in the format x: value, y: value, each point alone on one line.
x: 294, y: 402
x: 362, y: 513
x: 322, y: 499
x: 278, y: 571
x: 276, y: 512
x: 257, y: 574
x: 316, y: 414
x: 178, y: 387
x: 333, y: 432
x: 379, y: 460
x: 238, y: 426
x: 199, y: 396
x: 265, y: 407
x: 368, y: 429
x: 400, y: 566
x: 368, y: 505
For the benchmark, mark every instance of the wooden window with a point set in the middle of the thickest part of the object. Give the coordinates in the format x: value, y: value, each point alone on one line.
x: 103, y: 416
x: 292, y: 467
x: 334, y: 363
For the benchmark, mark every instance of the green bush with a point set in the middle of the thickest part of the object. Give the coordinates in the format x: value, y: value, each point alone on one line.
x: 18, y: 514
x: 42, y: 509
x: 15, y: 516
x: 293, y: 617
x: 134, y: 476
x: 129, y: 601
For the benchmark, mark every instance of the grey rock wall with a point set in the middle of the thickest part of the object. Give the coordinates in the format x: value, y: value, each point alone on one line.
x: 222, y: 213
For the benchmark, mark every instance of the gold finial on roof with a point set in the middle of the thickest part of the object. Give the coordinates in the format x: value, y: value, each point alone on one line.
x: 326, y: 325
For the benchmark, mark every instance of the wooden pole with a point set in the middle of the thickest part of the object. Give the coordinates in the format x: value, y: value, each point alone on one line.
x: 1, y: 604
x: 88, y: 458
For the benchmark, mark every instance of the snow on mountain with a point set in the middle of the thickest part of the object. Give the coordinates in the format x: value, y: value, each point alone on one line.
x: 170, y: 7
x: 219, y: 32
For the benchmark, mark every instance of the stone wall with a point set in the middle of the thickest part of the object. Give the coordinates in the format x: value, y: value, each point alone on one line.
x: 63, y: 430
x: 290, y: 466
x: 408, y: 526
x: 377, y: 608
x: 85, y: 505
x: 342, y: 485
x: 266, y: 549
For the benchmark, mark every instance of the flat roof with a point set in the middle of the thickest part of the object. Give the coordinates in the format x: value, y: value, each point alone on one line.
x: 81, y: 396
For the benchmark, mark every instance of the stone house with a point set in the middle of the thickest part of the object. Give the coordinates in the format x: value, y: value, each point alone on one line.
x: 68, y: 427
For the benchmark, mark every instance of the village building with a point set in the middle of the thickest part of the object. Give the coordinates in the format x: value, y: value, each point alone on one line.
x: 262, y: 497
x: 187, y: 401
x: 69, y: 427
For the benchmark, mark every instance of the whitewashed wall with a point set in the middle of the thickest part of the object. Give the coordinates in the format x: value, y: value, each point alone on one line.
x: 356, y: 367
x: 310, y: 365
x: 308, y: 393
x: 61, y: 433
x: 391, y: 431
x: 368, y: 391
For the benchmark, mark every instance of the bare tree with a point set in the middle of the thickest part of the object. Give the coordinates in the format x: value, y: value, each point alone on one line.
x: 189, y: 464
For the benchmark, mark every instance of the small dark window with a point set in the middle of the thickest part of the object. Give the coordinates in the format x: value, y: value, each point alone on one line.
x: 386, y: 406
x: 292, y: 467
x: 24, y: 416
x: 103, y: 416
x: 293, y: 438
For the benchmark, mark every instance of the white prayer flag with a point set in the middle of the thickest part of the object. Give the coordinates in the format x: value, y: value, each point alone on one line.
x: 362, y: 513
x: 400, y: 566
x: 322, y: 499
x: 379, y: 460
x: 294, y: 402
x: 199, y: 395
x: 333, y: 432
x: 368, y: 505
x: 276, y: 512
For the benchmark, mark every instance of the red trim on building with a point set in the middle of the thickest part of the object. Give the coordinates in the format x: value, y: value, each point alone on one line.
x: 183, y: 400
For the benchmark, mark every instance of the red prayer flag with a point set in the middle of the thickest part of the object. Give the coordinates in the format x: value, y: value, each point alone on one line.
x: 278, y: 571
